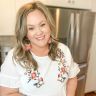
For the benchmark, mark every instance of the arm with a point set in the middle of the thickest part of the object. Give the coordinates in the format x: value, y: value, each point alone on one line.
x: 4, y: 91
x: 71, y: 86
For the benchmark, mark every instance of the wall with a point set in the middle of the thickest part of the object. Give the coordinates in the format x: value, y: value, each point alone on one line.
x: 91, y: 74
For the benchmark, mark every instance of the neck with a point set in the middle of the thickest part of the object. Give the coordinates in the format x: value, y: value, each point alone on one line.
x: 41, y: 51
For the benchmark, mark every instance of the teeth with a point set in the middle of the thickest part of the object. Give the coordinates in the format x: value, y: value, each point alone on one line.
x: 40, y: 38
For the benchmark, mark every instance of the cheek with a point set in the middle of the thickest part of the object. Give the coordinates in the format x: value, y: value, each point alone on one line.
x: 48, y: 37
x: 29, y: 36
x: 48, y: 30
x: 48, y: 33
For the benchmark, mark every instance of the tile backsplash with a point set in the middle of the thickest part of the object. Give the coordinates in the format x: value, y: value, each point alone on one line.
x: 7, y: 41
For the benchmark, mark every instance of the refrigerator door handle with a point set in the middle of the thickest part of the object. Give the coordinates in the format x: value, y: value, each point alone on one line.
x: 77, y: 31
x: 77, y: 34
x: 71, y: 31
x: 81, y: 78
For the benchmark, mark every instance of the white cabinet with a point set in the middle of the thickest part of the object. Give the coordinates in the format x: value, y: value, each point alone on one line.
x: 80, y: 4
x: 60, y: 3
x: 8, y: 9
x: 7, y: 17
x: 94, y: 5
x: 83, y: 4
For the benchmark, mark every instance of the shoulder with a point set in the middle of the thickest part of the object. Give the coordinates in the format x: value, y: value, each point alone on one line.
x: 9, y: 56
x: 9, y: 73
x: 62, y: 45
x: 10, y: 53
x: 64, y: 48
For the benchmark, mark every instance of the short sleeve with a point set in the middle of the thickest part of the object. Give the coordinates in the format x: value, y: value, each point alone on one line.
x: 74, y: 70
x: 73, y: 66
x: 9, y: 76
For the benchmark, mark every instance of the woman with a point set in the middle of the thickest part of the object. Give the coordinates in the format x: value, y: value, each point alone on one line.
x: 38, y: 65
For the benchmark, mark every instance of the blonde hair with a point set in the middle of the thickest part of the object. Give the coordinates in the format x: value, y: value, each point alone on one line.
x: 24, y: 58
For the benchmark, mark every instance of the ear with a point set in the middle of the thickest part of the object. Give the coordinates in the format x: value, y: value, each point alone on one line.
x: 50, y: 40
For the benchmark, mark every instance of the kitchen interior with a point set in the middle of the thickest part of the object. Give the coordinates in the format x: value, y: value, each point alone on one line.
x: 75, y: 27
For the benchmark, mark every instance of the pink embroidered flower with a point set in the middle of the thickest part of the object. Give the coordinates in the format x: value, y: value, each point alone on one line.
x: 41, y: 79
x: 33, y: 75
x: 59, y: 75
x: 62, y: 69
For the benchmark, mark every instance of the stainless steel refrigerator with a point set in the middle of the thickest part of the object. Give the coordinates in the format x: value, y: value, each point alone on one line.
x: 74, y: 28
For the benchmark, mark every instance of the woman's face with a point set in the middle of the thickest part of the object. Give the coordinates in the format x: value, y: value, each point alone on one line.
x: 38, y: 29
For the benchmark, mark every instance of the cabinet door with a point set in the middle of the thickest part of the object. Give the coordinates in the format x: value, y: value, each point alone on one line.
x: 93, y: 5
x: 60, y: 3
x: 20, y: 3
x: 7, y: 17
x: 81, y: 4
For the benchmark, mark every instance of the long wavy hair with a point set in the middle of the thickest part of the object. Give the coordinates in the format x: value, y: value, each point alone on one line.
x: 21, y: 56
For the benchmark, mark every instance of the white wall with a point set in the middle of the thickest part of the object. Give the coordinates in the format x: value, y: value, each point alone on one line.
x: 91, y: 74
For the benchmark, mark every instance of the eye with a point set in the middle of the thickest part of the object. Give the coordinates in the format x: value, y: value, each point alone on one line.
x: 43, y: 24
x: 30, y: 28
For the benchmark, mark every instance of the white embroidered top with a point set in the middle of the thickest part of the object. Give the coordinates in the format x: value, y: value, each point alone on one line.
x: 50, y: 78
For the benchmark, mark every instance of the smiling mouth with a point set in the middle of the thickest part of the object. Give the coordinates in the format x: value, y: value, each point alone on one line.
x: 40, y: 38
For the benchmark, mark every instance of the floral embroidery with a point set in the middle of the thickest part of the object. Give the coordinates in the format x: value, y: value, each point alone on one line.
x: 34, y: 75
x: 62, y: 68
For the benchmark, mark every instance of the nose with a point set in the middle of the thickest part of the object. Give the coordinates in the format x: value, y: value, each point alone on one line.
x: 39, y: 31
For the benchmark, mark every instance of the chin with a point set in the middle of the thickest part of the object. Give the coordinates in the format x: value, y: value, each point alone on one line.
x: 42, y: 45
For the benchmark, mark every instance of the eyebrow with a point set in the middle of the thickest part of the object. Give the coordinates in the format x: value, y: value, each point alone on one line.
x: 39, y: 23
x: 30, y: 25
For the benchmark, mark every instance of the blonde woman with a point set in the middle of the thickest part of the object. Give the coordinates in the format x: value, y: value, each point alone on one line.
x: 38, y: 65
